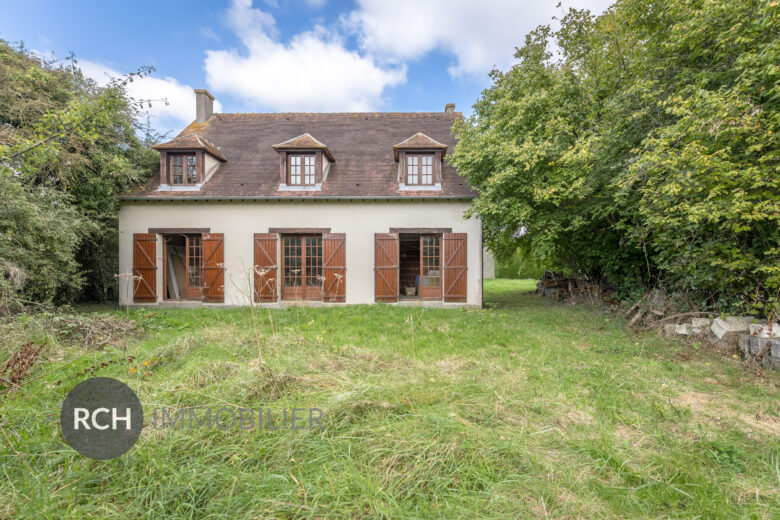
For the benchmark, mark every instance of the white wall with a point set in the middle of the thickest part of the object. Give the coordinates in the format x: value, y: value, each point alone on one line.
x: 239, y: 222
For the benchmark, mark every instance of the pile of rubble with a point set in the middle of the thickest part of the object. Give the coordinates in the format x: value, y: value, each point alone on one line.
x: 757, y: 341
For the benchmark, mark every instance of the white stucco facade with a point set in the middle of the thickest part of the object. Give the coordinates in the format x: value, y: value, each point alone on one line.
x: 239, y: 221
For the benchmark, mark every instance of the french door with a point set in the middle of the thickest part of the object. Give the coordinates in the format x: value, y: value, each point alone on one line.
x: 302, y: 267
x: 194, y: 267
x: 430, y: 266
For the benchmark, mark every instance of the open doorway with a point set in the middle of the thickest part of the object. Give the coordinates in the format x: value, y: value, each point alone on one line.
x: 182, y: 267
x: 409, y: 266
x: 419, y: 266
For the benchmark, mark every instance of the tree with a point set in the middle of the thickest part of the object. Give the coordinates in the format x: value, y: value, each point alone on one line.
x: 67, y: 148
x: 645, y: 152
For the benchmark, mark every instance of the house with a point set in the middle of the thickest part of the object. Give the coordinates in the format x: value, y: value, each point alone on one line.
x: 275, y: 208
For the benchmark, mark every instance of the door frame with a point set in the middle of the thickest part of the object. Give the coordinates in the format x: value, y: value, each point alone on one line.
x: 190, y: 293
x: 302, y: 292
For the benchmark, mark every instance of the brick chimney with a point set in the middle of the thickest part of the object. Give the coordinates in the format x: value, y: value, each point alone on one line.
x: 204, y: 105
x: 449, y: 108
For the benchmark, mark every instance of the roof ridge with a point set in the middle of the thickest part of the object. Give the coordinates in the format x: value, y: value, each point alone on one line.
x: 354, y: 114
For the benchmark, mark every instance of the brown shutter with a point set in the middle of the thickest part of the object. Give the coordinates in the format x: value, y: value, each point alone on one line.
x: 334, y: 264
x: 265, y: 267
x: 200, y: 164
x: 213, y: 267
x: 144, y: 267
x: 437, y: 160
x: 164, y: 168
x: 386, y: 267
x: 455, y: 267
x: 318, y: 167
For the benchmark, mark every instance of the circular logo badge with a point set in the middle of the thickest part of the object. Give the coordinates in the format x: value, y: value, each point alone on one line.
x: 101, y: 418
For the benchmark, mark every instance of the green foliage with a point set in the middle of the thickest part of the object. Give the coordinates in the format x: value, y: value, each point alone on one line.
x: 646, y: 153
x: 67, y: 148
x: 521, y: 265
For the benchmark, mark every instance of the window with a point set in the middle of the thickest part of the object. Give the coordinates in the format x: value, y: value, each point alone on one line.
x: 301, y: 169
x: 419, y: 169
x: 184, y: 169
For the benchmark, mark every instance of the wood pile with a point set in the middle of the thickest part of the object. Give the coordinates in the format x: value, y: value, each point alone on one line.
x: 650, y: 308
x: 559, y: 287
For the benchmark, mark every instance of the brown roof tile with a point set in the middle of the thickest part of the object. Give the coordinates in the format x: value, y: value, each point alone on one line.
x: 362, y: 144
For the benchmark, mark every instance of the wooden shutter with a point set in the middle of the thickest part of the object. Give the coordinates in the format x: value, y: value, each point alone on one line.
x: 213, y: 267
x: 386, y: 267
x: 455, y: 267
x: 266, y: 272
x: 144, y: 268
x: 334, y: 267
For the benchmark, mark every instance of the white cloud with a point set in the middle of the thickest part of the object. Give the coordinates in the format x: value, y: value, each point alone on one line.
x: 480, y: 34
x: 316, y: 3
x: 313, y: 72
x: 180, y: 110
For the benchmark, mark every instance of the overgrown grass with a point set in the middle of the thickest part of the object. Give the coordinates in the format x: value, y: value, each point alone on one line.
x: 526, y: 408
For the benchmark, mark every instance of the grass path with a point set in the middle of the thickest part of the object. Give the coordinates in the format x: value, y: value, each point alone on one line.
x: 526, y: 408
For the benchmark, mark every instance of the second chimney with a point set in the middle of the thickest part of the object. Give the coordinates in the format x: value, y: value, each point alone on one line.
x: 204, y: 105
x: 449, y: 108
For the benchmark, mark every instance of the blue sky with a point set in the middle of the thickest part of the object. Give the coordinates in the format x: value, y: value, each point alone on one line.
x: 296, y: 55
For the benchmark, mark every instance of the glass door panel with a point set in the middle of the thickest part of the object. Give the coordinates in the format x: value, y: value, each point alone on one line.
x: 430, y: 266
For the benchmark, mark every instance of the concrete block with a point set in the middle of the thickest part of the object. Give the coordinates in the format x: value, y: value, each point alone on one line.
x: 669, y: 329
x: 700, y: 325
x: 774, y: 348
x: 765, y: 331
x: 771, y: 362
x: 720, y: 326
x: 757, y: 345
x: 683, y: 329
x: 740, y: 321
x: 744, y: 343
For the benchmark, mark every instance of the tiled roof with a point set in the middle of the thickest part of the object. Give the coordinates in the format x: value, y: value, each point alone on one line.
x: 361, y: 143
x: 303, y: 142
x: 191, y: 141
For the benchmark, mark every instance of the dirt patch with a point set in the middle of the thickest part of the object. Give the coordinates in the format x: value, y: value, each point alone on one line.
x: 705, y: 404
x: 450, y: 365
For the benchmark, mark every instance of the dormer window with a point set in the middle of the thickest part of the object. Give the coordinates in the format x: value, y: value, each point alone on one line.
x: 419, y: 169
x: 304, y: 163
x: 187, y: 162
x: 419, y: 163
x: 184, y: 169
x: 301, y: 169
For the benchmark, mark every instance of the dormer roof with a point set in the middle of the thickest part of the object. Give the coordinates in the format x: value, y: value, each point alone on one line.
x: 304, y: 141
x: 419, y: 141
x: 191, y: 142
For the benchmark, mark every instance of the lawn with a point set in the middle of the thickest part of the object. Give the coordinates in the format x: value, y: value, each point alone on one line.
x: 526, y: 408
